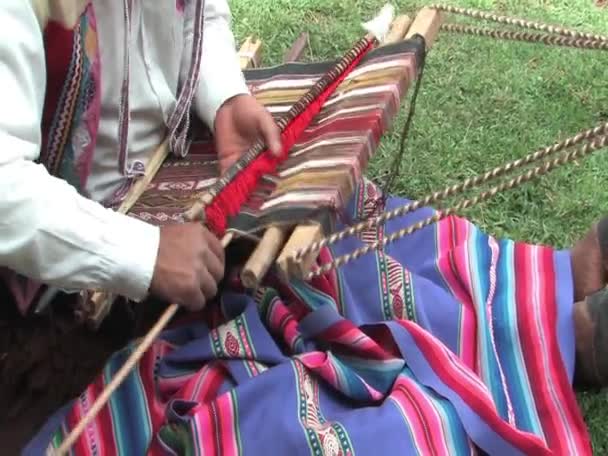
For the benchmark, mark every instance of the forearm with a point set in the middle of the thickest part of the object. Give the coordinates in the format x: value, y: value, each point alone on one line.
x: 48, y: 231
x: 51, y: 233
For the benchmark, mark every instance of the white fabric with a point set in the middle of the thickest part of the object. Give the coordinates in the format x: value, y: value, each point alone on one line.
x: 47, y: 230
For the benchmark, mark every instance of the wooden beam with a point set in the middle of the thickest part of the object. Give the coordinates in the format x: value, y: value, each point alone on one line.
x: 295, y: 52
x: 427, y: 24
x: 250, y: 53
x: 399, y: 28
x: 302, y: 236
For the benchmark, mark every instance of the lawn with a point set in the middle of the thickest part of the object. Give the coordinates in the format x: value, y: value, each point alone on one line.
x: 482, y: 103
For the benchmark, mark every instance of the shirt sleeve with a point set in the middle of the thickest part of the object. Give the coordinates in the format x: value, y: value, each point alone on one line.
x: 221, y: 77
x: 49, y: 231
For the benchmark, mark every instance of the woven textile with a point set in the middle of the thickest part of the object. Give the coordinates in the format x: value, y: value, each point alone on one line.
x: 327, y: 159
x: 448, y: 342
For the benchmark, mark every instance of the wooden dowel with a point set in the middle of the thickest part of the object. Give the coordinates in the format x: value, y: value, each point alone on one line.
x: 125, y: 369
x: 100, y: 302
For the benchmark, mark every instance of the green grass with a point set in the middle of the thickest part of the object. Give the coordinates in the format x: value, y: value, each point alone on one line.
x: 483, y: 102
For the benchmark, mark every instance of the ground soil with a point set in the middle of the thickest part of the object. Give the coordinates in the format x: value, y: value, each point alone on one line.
x: 45, y: 361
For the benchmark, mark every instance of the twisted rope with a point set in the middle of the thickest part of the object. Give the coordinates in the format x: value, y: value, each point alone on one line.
x: 523, y: 23
x: 452, y: 190
x: 551, y: 40
x: 549, y: 166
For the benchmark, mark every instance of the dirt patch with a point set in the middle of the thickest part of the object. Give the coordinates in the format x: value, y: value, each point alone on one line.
x: 47, y: 361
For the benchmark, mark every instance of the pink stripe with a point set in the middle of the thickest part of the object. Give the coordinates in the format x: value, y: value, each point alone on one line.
x: 227, y: 425
x: 540, y: 269
x: 204, y: 430
x: 448, y: 241
x: 431, y: 416
x: 248, y: 349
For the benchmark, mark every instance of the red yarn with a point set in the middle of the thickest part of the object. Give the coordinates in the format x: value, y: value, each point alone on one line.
x: 229, y: 201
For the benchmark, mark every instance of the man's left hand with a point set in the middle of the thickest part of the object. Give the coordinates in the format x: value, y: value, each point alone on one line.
x: 240, y: 122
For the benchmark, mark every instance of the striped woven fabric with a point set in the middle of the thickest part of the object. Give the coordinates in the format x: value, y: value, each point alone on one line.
x: 448, y: 342
x: 319, y: 176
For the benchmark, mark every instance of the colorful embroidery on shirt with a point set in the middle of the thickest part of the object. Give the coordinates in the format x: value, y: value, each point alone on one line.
x: 71, y: 111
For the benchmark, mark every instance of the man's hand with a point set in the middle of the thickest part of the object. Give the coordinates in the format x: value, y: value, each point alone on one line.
x: 239, y: 122
x: 189, y: 265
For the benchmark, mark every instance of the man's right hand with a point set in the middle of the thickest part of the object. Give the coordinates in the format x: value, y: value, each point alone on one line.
x: 189, y: 265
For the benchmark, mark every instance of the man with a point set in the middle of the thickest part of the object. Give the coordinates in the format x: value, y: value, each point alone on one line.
x: 62, y: 69
x: 63, y: 237
x: 328, y: 366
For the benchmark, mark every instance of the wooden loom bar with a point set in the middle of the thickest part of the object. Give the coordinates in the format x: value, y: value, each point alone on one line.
x: 100, y: 302
x: 306, y: 234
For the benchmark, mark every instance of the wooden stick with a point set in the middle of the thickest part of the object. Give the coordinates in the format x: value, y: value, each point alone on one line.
x: 427, y: 23
x: 398, y: 29
x: 297, y: 49
x: 124, y: 371
x: 250, y: 53
x: 263, y: 256
x: 100, y: 302
x: 140, y: 186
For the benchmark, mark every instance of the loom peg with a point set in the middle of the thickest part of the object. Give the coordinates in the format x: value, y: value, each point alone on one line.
x: 263, y: 256
x: 303, y: 235
x: 250, y: 53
